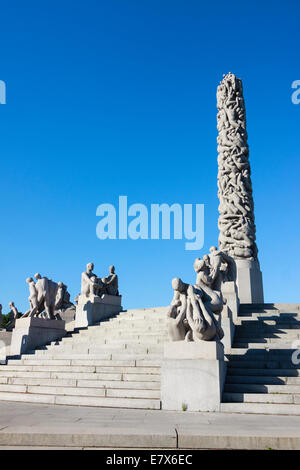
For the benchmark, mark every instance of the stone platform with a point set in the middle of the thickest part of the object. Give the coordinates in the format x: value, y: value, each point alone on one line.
x: 73, y: 427
x: 31, y: 332
x: 94, y: 309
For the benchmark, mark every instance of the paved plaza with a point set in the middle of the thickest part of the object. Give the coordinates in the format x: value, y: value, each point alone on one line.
x: 50, y: 426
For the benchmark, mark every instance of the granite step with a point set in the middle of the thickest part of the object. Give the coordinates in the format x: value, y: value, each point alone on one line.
x: 82, y: 369
x: 104, y: 356
x: 267, y: 364
x: 260, y: 408
x: 119, y: 376
x: 275, y: 338
x: 93, y: 391
x: 261, y: 388
x: 115, y: 341
x: 260, y: 379
x: 230, y: 397
x: 264, y: 345
x: 288, y: 373
x: 255, y: 323
x: 265, y: 332
x: 117, y: 330
x: 98, y: 359
x: 109, y: 384
x: 263, y: 350
x: 112, y: 349
x: 111, y: 402
x: 268, y: 314
x: 270, y: 306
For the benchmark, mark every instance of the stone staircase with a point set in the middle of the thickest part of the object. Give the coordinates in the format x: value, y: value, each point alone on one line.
x: 117, y: 364
x: 261, y: 376
x: 112, y: 364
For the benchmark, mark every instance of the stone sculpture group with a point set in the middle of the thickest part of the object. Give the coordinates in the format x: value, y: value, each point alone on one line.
x: 92, y: 285
x: 191, y: 315
x: 47, y: 299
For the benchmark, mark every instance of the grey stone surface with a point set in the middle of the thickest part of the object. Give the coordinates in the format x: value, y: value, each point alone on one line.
x: 193, y: 376
x: 76, y: 427
x: 194, y: 384
x: 194, y: 350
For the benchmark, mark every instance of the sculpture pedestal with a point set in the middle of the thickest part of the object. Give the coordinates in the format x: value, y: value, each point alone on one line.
x: 31, y: 332
x: 249, y: 282
x: 193, y: 376
x: 93, y: 309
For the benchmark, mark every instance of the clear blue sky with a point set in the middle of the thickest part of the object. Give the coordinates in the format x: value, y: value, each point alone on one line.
x: 109, y: 98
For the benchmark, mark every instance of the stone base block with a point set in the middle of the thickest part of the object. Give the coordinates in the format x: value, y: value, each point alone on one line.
x: 30, y: 333
x: 194, y: 350
x: 94, y: 309
x: 249, y: 282
x: 193, y: 378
